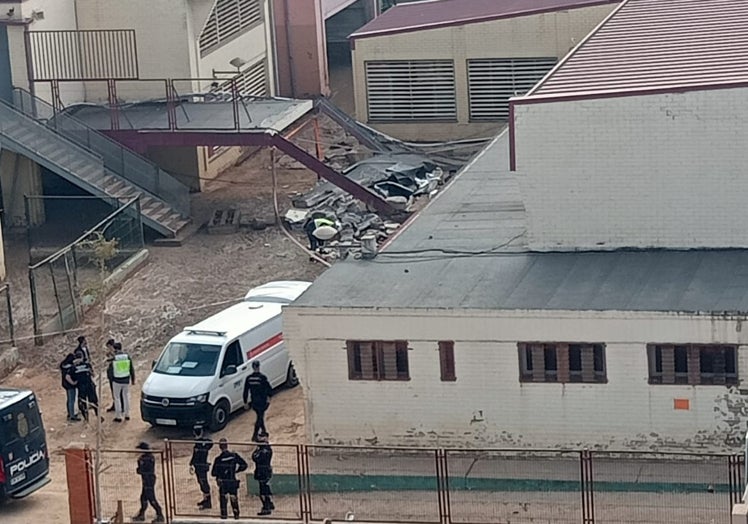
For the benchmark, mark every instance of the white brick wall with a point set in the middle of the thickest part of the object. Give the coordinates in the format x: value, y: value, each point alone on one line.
x: 663, y: 170
x: 487, y: 405
x: 545, y: 35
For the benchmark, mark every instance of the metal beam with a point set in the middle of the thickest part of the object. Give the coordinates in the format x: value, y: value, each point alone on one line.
x: 140, y: 140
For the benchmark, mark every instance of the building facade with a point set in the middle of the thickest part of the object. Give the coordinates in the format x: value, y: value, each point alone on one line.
x: 445, y: 69
x: 183, y: 40
x: 521, y: 379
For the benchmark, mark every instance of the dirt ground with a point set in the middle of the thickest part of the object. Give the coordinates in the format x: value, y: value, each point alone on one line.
x: 178, y: 286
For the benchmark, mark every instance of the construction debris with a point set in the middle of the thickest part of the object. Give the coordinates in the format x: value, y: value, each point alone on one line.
x: 399, y: 177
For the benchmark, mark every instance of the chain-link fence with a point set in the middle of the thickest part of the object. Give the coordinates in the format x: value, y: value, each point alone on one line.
x: 65, y: 283
x: 6, y: 317
x: 373, y: 484
x: 120, y: 483
x: 55, y: 221
x: 313, y: 483
x: 510, y: 486
x: 669, y: 489
x: 285, y: 483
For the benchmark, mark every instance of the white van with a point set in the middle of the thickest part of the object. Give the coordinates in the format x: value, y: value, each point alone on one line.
x: 199, y: 377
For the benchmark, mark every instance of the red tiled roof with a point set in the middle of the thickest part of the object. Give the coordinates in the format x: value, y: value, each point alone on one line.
x: 656, y: 44
x: 431, y: 14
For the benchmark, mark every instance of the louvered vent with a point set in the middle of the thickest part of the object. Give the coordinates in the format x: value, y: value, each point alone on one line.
x: 411, y: 90
x: 492, y: 81
x: 227, y: 19
x: 250, y: 82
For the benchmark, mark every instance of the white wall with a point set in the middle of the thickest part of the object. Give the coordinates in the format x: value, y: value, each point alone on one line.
x: 663, y: 170
x: 58, y: 15
x: 487, y: 405
x: 161, y: 31
x: 544, y: 35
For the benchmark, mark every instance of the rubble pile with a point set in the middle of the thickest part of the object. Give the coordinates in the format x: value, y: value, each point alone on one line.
x: 400, y: 178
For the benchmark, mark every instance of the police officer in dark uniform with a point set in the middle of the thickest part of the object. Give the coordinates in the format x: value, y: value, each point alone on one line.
x: 262, y: 457
x: 199, y: 465
x: 259, y: 387
x: 87, y: 397
x: 147, y: 471
x: 225, y: 467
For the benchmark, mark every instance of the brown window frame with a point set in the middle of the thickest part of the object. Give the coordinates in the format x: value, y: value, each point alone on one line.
x: 376, y: 352
x: 447, y: 361
x: 563, y: 362
x: 684, y: 364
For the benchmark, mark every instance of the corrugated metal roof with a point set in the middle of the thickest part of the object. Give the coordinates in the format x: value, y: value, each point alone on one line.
x: 466, y: 250
x: 657, y: 44
x: 441, y: 13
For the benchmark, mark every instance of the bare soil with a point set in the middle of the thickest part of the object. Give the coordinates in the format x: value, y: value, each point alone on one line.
x: 178, y: 286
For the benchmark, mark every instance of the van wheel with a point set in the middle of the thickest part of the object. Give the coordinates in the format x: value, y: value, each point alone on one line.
x: 291, y: 379
x: 220, y: 416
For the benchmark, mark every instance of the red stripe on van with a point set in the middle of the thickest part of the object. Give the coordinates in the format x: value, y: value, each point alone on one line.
x: 273, y: 341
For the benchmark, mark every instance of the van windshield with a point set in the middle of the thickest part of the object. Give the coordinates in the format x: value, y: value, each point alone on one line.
x: 191, y: 360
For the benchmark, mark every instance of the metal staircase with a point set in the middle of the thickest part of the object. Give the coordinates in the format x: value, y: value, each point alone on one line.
x: 93, y: 162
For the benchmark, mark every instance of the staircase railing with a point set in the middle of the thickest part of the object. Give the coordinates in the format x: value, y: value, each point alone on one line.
x: 117, y: 158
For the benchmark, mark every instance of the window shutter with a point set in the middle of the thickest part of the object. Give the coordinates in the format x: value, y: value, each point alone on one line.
x: 562, y: 363
x: 411, y: 90
x: 227, y: 19
x: 447, y: 361
x: 492, y: 81
x: 538, y: 362
x: 694, y: 365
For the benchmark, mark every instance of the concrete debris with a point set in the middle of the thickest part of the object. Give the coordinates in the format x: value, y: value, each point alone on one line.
x: 399, y: 177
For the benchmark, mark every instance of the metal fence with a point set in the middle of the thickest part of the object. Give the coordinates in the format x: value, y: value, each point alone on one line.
x: 65, y: 283
x: 6, y: 317
x: 119, y: 483
x: 312, y: 483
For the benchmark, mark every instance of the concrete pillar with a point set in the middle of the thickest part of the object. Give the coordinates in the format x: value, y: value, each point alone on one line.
x: 80, y: 484
x: 301, y: 48
x: 20, y: 176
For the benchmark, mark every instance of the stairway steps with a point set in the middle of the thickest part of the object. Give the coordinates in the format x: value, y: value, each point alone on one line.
x: 70, y: 160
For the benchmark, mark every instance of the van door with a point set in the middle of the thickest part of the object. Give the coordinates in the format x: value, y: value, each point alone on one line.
x: 233, y: 385
x: 23, y: 445
x: 267, y: 346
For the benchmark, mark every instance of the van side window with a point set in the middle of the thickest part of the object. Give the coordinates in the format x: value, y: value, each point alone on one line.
x: 233, y: 356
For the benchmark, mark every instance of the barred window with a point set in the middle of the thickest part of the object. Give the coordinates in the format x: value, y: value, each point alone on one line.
x: 562, y: 362
x: 411, y: 90
x: 492, y: 81
x: 228, y: 19
x: 694, y: 364
x: 377, y: 360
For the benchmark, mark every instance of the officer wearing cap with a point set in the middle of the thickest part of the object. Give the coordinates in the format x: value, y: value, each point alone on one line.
x: 147, y: 471
x: 199, y: 465
x: 225, y: 467
x: 257, y: 390
x: 262, y: 457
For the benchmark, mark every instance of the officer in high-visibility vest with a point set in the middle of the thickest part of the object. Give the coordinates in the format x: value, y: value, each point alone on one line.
x: 123, y: 374
x: 312, y: 224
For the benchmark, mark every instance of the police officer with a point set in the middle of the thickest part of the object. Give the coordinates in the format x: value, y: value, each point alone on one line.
x: 225, y: 467
x: 259, y: 387
x: 262, y: 457
x: 199, y: 465
x: 147, y: 471
x: 110, y: 369
x: 316, y: 221
x: 123, y: 374
x: 87, y: 397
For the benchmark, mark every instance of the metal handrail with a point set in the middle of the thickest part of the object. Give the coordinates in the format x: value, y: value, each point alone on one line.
x: 120, y: 160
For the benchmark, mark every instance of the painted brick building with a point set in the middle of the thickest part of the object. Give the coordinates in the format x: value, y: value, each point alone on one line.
x: 445, y: 69
x: 503, y: 315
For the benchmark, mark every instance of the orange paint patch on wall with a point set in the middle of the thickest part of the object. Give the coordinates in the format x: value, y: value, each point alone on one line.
x: 681, y: 403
